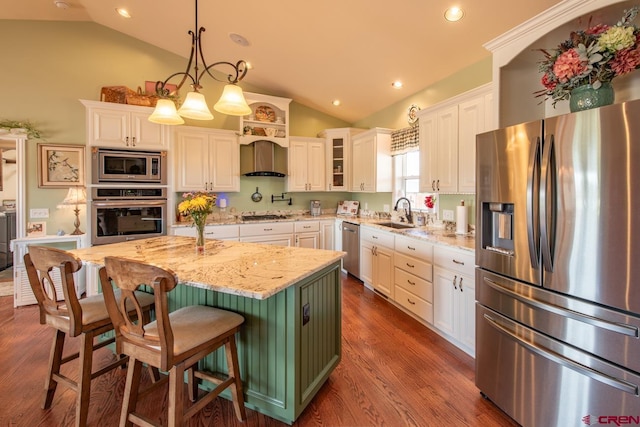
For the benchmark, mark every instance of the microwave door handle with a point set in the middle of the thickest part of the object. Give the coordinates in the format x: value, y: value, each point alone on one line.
x: 547, y: 193
x: 534, y: 164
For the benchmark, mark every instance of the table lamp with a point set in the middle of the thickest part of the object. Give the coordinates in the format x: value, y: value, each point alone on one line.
x: 76, y: 196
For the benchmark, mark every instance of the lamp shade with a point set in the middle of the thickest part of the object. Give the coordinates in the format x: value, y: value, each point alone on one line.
x: 195, y: 107
x: 75, y: 196
x: 232, y: 102
x: 165, y: 113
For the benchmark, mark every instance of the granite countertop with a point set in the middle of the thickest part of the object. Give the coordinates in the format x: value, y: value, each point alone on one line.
x: 432, y: 234
x: 247, y: 269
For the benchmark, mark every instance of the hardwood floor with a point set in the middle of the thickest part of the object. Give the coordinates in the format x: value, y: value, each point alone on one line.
x: 394, y: 372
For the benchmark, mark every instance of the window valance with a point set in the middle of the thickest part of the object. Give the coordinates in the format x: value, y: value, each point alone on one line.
x: 405, y: 140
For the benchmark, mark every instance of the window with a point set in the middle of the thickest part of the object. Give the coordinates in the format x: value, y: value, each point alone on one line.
x: 406, y: 172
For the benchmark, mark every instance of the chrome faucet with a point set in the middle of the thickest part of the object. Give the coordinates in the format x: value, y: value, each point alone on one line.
x: 409, y: 218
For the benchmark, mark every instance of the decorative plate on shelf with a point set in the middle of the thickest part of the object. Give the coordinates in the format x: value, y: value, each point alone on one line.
x: 265, y: 114
x: 412, y: 114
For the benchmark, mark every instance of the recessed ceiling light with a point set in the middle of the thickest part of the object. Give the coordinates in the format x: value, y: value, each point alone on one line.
x: 61, y: 4
x: 397, y: 84
x: 123, y: 12
x: 336, y: 102
x: 239, y: 39
x: 453, y: 14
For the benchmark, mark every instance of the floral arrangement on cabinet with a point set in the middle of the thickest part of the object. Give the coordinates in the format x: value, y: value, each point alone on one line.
x: 593, y: 56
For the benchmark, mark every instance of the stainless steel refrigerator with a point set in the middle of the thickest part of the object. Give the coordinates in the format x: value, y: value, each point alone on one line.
x: 558, y: 268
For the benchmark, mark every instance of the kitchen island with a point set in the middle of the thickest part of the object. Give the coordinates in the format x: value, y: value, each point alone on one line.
x: 290, y: 298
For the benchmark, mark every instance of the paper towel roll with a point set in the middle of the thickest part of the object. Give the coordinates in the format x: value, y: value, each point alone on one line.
x: 461, y: 220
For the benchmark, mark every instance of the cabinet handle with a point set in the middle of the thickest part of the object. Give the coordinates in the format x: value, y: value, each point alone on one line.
x: 306, y: 226
x: 134, y: 141
x: 410, y: 265
x: 460, y: 283
x: 454, y: 282
x: 126, y: 141
x: 267, y: 229
x: 458, y: 262
x: 374, y: 237
x: 410, y: 302
x: 410, y: 248
x: 433, y: 185
x: 438, y: 185
x: 411, y: 283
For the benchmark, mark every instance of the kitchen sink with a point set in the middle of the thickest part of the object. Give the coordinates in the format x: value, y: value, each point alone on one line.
x: 395, y: 225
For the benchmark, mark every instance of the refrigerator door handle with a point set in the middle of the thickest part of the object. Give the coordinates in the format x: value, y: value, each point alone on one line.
x: 546, y: 203
x: 534, y: 164
x: 540, y: 350
x: 620, y: 328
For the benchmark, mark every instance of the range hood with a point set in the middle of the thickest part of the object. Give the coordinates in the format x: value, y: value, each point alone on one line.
x: 263, y: 159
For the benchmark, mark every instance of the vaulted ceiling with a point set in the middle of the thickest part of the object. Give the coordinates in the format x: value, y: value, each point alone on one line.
x: 313, y: 52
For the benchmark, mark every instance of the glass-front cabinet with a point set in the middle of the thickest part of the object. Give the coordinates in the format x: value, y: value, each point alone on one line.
x: 268, y: 120
x: 338, y: 159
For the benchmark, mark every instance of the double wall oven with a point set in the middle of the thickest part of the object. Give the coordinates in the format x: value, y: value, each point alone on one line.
x: 127, y: 207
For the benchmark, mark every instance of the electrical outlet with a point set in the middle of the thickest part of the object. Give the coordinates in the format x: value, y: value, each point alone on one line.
x: 447, y: 215
x: 39, y: 213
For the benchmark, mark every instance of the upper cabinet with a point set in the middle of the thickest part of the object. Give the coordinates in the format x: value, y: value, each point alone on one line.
x: 371, y: 169
x: 206, y: 159
x: 306, y: 164
x: 448, y: 141
x: 338, y: 157
x: 268, y: 120
x: 123, y: 126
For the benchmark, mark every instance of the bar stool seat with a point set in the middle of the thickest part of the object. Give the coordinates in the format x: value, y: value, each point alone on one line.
x: 72, y: 316
x: 174, y: 342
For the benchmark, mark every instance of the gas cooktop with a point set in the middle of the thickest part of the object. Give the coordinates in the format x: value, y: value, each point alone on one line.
x: 263, y: 217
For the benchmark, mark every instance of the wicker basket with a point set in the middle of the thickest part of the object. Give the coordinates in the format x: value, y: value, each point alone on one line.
x: 117, y: 94
x: 140, y: 98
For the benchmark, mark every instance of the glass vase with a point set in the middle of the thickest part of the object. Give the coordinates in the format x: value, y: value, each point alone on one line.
x: 586, y: 97
x: 199, y: 237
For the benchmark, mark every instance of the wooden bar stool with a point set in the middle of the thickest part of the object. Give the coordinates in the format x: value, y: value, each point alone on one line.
x: 174, y: 342
x: 72, y: 316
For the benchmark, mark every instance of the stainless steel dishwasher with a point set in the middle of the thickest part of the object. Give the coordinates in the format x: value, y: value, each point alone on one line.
x: 351, y: 245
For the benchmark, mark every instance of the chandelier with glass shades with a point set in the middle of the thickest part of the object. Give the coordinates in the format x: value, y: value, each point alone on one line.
x: 231, y: 102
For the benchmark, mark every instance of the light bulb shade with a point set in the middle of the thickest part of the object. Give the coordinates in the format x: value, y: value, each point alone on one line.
x: 165, y: 113
x: 232, y: 102
x: 195, y: 107
x: 75, y: 196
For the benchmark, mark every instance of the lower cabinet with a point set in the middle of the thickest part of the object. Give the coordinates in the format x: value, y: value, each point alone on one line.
x: 454, y: 296
x: 413, y: 274
x: 307, y: 234
x: 376, y: 260
x: 327, y: 240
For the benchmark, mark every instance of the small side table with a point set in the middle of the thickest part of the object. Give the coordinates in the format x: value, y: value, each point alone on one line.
x: 22, y: 293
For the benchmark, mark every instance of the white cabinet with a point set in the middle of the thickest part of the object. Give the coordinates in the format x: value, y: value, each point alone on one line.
x: 123, y: 126
x: 219, y: 232
x: 306, y: 164
x: 268, y: 120
x: 206, y: 159
x: 448, y: 141
x: 454, y: 296
x: 376, y: 259
x: 371, y: 169
x: 22, y: 293
x: 273, y: 233
x: 413, y: 276
x: 327, y: 240
x: 338, y: 157
x: 307, y: 234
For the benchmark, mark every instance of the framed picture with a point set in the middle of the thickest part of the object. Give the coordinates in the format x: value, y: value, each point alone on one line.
x: 36, y: 229
x: 60, y: 165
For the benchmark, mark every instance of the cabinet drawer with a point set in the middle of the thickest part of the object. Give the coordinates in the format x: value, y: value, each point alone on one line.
x: 414, y: 266
x: 377, y: 237
x: 414, y: 248
x: 306, y: 226
x: 414, y: 304
x: 221, y: 231
x: 415, y: 285
x: 455, y: 260
x: 266, y: 228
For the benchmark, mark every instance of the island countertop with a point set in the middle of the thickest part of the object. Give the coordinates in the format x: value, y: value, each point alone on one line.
x: 250, y: 270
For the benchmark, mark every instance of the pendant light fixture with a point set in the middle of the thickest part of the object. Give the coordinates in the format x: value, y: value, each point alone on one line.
x: 231, y: 102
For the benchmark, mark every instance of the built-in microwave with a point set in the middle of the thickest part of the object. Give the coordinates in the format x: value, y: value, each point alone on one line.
x: 113, y: 165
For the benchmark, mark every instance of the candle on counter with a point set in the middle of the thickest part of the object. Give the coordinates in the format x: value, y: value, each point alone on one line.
x: 222, y: 203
